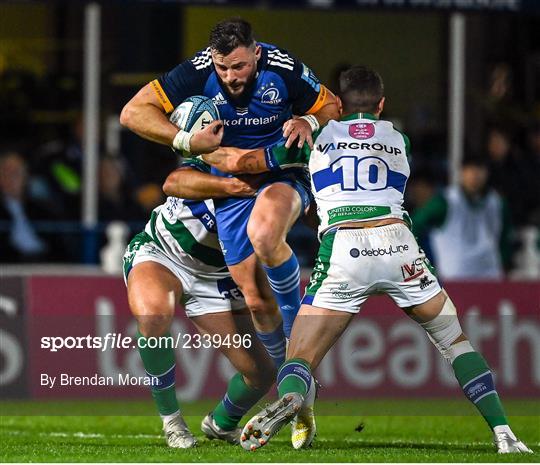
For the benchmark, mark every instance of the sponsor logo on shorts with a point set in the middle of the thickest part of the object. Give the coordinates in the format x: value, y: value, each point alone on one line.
x: 341, y: 292
x: 478, y: 388
x: 355, y: 253
x: 412, y: 270
x: 425, y: 282
x: 229, y: 289
x: 379, y: 252
x: 362, y: 130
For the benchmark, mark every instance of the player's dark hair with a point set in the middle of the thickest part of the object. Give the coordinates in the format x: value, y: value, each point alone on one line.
x: 230, y: 34
x: 360, y: 89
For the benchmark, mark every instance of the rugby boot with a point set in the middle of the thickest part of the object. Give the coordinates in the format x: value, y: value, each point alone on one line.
x: 262, y: 427
x: 303, y: 425
x: 212, y: 431
x: 178, y: 434
x: 507, y: 443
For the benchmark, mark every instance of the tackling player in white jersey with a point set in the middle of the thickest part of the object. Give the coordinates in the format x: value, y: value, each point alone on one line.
x: 178, y: 258
x: 359, y: 170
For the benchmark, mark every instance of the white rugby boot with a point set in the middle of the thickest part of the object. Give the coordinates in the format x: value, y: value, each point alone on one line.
x: 178, y: 434
x: 212, y: 431
x: 262, y: 427
x: 303, y: 425
x: 507, y: 443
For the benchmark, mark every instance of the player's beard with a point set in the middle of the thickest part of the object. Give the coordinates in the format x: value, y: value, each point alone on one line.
x: 246, y: 89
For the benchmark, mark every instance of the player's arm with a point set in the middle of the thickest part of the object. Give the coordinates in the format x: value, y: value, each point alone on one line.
x: 301, y: 129
x: 234, y: 160
x: 146, y: 117
x: 311, y: 99
x: 325, y: 107
x: 193, y: 181
x: 253, y: 161
x: 146, y: 113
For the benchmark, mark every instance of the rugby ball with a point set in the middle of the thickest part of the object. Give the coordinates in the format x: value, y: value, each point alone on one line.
x: 194, y: 114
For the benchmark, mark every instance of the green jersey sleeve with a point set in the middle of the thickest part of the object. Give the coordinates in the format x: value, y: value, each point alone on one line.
x: 407, y: 143
x: 197, y: 163
x: 279, y: 157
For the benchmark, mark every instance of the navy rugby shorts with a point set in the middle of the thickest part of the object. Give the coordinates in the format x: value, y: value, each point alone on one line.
x: 233, y: 214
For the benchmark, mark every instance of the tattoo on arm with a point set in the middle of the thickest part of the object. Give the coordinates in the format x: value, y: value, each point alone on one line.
x: 233, y: 160
x: 251, y: 163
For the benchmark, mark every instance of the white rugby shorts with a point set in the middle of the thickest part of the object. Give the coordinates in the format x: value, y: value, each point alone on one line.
x: 202, y: 293
x: 353, y: 264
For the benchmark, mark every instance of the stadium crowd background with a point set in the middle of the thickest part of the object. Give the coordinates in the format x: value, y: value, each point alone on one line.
x: 41, y: 99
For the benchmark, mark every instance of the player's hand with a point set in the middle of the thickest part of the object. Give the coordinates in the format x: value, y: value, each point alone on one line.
x: 208, y: 139
x: 246, y: 185
x: 300, y: 129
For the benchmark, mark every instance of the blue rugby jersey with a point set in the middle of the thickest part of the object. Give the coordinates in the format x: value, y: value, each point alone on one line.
x: 283, y: 86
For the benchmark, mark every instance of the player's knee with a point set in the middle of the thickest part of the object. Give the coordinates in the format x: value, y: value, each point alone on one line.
x: 264, y: 238
x: 446, y: 333
x: 254, y: 299
x: 259, y: 306
x: 153, y: 320
x: 154, y: 325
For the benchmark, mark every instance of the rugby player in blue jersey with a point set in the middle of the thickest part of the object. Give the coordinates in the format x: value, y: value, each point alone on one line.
x: 257, y: 88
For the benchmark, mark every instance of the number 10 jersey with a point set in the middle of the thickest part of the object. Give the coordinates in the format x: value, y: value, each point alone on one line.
x: 359, y: 169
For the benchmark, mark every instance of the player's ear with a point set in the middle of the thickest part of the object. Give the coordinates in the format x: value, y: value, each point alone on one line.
x: 339, y: 105
x: 258, y: 51
x: 380, y: 106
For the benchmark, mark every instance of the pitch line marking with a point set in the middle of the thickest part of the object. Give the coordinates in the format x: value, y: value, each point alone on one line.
x: 80, y: 434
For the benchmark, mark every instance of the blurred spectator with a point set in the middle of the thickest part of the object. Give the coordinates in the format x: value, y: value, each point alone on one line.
x: 116, y: 202
x: 533, y: 159
x: 58, y: 172
x: 500, y: 102
x: 500, y: 82
x: 469, y: 227
x: 19, y: 240
x: 510, y: 173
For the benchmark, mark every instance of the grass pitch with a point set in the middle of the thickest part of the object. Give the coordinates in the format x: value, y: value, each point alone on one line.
x: 393, y: 431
